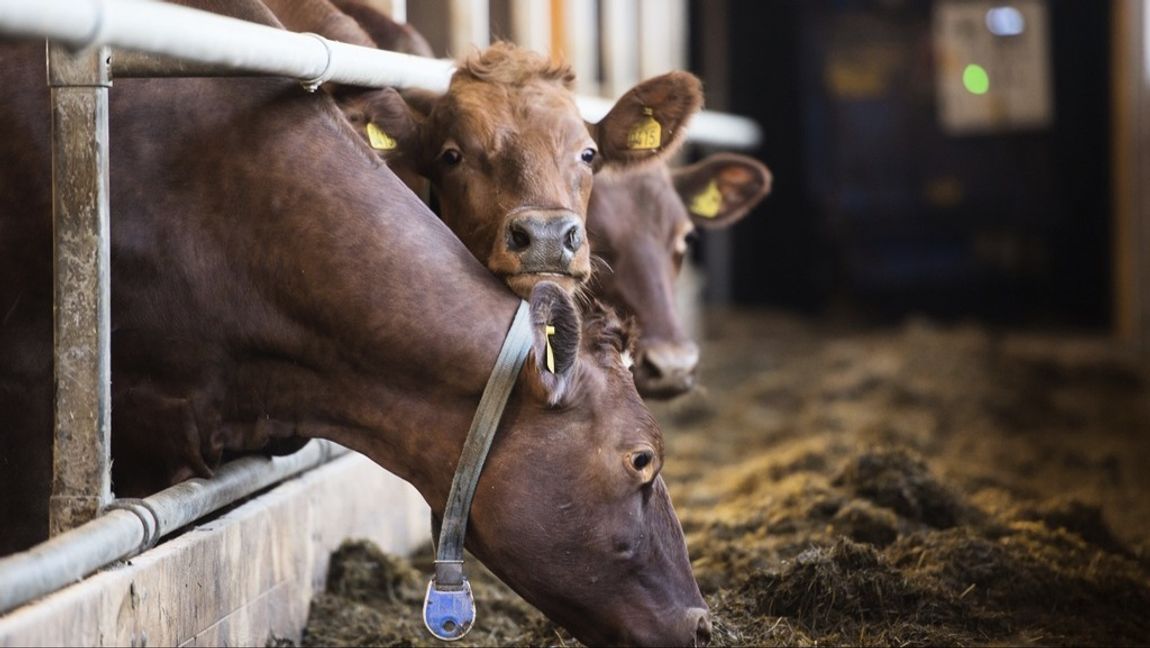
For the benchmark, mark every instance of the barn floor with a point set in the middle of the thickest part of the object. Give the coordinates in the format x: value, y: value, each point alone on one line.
x: 923, y: 485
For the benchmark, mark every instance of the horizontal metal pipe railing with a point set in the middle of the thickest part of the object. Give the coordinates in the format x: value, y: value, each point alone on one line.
x: 210, y: 41
x: 132, y: 526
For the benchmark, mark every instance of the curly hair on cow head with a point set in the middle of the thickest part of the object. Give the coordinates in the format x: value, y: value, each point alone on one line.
x: 506, y: 63
x: 605, y: 334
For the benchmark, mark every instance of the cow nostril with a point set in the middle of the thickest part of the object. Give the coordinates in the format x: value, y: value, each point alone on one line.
x: 573, y: 238
x: 651, y: 367
x: 517, y: 237
x: 671, y: 361
x: 702, y: 627
x: 703, y: 633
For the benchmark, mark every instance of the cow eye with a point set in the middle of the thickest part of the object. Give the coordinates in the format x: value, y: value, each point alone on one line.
x: 588, y: 155
x: 642, y: 459
x: 645, y: 465
x: 451, y: 156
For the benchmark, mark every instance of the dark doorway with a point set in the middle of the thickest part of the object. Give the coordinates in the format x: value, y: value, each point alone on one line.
x: 877, y: 208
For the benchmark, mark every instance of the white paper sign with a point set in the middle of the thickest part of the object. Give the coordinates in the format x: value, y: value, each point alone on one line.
x: 992, y: 66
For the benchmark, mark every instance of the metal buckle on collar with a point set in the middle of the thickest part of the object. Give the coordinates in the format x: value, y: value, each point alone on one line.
x: 449, y: 608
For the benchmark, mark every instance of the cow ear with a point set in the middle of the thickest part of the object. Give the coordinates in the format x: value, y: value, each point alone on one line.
x: 649, y: 121
x: 720, y: 189
x: 385, y: 120
x: 554, y: 360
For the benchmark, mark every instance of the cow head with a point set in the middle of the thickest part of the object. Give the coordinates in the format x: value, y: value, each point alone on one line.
x: 640, y: 224
x: 570, y: 510
x: 512, y: 161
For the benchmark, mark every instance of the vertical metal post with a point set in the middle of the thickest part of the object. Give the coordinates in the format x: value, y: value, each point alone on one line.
x: 81, y: 481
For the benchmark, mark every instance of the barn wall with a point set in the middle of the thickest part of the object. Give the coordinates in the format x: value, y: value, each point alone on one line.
x: 239, y: 579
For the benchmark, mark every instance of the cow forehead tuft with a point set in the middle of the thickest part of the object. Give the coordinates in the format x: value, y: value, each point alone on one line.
x: 505, y: 63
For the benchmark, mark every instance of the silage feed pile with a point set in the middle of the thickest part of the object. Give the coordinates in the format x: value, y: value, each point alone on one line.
x: 923, y: 486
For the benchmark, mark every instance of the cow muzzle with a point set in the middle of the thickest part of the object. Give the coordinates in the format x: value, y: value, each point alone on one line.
x: 543, y: 245
x: 698, y: 626
x: 691, y: 627
x: 666, y: 369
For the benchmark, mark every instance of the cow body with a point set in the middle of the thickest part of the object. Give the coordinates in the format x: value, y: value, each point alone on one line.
x: 274, y: 282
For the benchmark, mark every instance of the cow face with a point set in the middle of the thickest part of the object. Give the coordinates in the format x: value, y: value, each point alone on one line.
x: 640, y: 224
x: 512, y: 161
x: 570, y: 510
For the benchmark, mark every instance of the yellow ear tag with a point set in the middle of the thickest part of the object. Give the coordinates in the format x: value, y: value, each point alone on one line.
x: 379, y: 140
x: 647, y: 134
x: 549, y: 331
x: 708, y: 202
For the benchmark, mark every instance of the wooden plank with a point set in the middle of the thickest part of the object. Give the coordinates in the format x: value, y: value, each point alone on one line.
x: 275, y: 609
x: 1130, y: 138
x: 557, y: 29
x: 239, y: 579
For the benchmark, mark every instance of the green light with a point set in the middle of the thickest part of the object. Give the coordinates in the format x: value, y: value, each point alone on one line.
x: 975, y: 79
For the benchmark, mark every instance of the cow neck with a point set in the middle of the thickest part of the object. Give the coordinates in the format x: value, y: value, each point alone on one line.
x: 448, y: 607
x: 387, y: 323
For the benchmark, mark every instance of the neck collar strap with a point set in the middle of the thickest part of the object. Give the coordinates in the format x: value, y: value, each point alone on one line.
x: 448, y: 607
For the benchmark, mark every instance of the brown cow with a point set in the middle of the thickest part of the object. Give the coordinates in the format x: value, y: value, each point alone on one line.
x: 512, y: 162
x: 638, y: 220
x: 272, y: 280
x: 640, y: 225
